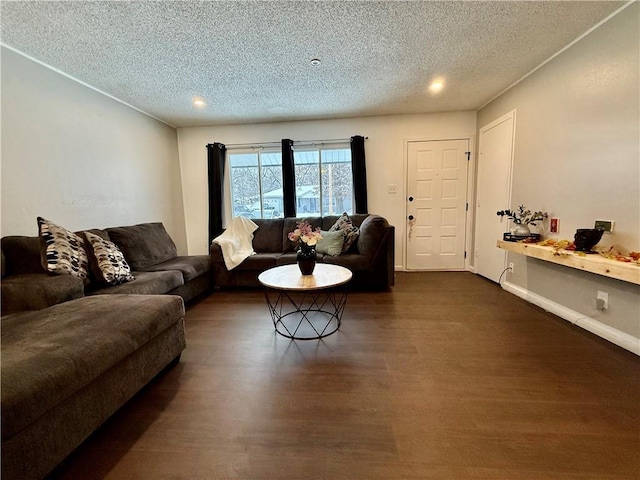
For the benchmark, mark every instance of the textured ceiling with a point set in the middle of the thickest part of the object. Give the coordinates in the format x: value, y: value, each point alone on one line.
x: 250, y: 61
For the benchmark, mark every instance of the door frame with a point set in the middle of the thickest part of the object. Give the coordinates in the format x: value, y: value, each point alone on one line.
x: 468, y: 229
x: 484, y: 128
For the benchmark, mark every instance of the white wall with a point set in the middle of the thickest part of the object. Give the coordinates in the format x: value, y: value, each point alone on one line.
x: 384, y: 149
x: 80, y: 158
x: 577, y: 157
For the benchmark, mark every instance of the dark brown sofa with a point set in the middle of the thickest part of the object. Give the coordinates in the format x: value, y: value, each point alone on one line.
x: 67, y: 368
x: 73, y: 353
x: 371, y: 258
x: 147, y: 247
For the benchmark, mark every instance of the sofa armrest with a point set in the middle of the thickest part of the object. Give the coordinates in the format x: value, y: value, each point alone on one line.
x: 372, y: 232
x: 216, y: 254
x: 377, y: 241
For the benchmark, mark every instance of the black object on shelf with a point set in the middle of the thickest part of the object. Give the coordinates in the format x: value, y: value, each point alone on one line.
x: 532, y: 237
x: 587, y: 238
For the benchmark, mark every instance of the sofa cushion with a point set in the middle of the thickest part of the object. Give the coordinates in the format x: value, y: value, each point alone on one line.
x: 191, y: 266
x: 107, y: 261
x: 49, y: 355
x: 144, y: 245
x: 353, y: 261
x: 330, y: 243
x: 63, y: 251
x: 35, y: 291
x: 22, y: 255
x: 260, y: 261
x: 268, y: 237
x: 103, y: 234
x: 145, y: 283
x: 287, y: 259
x: 349, y: 230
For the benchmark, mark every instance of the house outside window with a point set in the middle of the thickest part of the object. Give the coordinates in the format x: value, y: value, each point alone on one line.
x: 256, y: 184
x: 324, y: 183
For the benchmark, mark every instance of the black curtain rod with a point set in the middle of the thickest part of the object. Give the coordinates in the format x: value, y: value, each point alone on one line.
x: 295, y: 142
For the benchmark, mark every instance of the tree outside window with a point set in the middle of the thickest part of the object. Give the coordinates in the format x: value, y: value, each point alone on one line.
x: 323, y: 182
x: 253, y: 175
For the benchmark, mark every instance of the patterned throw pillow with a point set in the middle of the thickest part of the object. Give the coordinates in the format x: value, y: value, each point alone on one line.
x: 350, y: 232
x: 107, y: 261
x: 62, y: 251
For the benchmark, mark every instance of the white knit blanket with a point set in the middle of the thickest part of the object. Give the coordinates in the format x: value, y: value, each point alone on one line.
x: 236, y: 241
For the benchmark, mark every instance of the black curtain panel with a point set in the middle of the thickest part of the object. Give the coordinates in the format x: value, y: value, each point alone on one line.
x: 215, y: 161
x: 359, y: 171
x: 288, y: 179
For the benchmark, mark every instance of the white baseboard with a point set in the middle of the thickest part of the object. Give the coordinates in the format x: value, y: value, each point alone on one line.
x: 624, y: 340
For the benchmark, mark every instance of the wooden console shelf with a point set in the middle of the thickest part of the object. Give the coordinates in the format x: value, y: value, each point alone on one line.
x: 627, y: 272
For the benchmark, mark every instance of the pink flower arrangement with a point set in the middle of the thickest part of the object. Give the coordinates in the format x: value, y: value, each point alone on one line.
x: 305, y: 234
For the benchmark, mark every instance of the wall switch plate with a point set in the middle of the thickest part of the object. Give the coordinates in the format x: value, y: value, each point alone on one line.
x: 606, y: 225
x: 392, y: 189
x: 554, y: 225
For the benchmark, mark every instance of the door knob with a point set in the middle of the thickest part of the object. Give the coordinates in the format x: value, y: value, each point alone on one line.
x: 410, y: 217
x: 411, y: 199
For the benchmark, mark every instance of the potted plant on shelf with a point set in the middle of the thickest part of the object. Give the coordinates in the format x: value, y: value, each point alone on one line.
x: 306, y: 239
x: 523, y: 217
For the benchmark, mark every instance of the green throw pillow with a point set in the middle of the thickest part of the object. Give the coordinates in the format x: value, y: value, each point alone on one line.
x: 331, y: 243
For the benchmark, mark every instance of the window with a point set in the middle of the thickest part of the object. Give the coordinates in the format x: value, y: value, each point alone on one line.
x: 256, y: 184
x: 324, y: 183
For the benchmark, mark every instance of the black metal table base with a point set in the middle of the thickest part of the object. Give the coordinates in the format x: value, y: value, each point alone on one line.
x: 306, y: 315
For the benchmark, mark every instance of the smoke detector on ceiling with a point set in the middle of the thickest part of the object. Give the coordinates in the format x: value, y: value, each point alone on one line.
x: 315, y: 62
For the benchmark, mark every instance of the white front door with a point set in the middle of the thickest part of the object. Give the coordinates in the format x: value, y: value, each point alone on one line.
x: 436, y: 204
x: 494, y: 193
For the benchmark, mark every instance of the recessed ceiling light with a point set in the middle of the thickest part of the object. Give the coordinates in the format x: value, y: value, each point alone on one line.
x: 436, y: 86
x: 315, y: 62
x: 198, y: 102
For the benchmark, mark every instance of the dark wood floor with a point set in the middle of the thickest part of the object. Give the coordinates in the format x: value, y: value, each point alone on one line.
x: 445, y: 377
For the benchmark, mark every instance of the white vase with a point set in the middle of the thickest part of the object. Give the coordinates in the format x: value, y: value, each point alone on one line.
x: 522, y: 231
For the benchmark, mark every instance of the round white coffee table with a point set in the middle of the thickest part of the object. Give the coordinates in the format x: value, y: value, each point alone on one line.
x: 306, y: 307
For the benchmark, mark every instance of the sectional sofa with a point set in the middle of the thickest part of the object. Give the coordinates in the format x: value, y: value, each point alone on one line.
x: 370, y: 257
x: 74, y: 350
x: 147, y: 247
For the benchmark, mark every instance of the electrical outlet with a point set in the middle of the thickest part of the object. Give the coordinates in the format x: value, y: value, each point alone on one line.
x: 510, y: 267
x: 392, y: 189
x: 602, y: 300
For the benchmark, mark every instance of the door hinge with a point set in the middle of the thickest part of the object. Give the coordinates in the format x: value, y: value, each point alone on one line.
x: 465, y: 254
x: 467, y: 206
x: 468, y: 154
